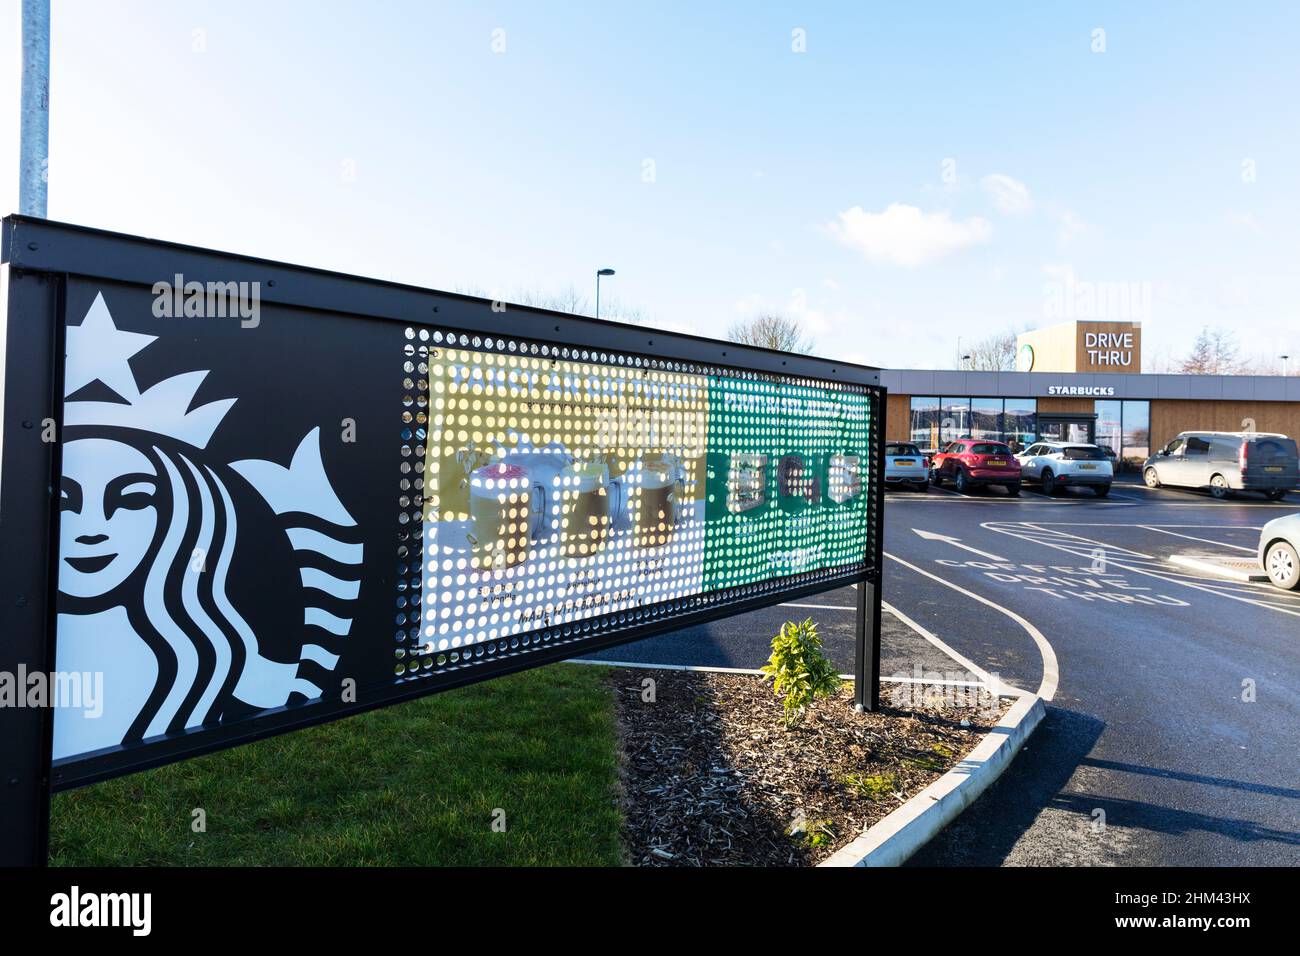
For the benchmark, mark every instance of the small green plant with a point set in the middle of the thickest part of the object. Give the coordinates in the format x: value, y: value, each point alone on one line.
x: 799, y: 671
x: 813, y: 834
x: 934, y: 762
x: 874, y: 788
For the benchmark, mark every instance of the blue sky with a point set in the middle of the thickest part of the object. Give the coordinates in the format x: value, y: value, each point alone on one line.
x: 920, y: 172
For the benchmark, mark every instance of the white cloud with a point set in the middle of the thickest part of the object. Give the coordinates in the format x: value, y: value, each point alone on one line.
x: 815, y: 321
x: 1010, y: 196
x: 1245, y: 220
x: 831, y: 284
x: 1071, y: 227
x: 903, y: 235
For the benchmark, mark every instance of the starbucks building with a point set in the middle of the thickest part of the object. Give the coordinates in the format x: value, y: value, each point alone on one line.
x: 1082, y: 381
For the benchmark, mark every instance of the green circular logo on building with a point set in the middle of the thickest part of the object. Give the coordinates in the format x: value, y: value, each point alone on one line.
x: 1025, y: 358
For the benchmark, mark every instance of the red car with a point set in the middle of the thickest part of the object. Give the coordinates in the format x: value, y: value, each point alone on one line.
x: 973, y: 463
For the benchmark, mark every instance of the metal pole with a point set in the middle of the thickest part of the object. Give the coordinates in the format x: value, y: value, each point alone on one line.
x: 598, y: 293
x: 29, y: 527
x: 866, y: 622
x: 34, y: 138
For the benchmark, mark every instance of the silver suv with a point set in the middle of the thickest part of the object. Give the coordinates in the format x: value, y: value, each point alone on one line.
x: 1226, y: 462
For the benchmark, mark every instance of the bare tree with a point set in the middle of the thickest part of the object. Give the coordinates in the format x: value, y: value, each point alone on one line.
x: 772, y: 331
x: 996, y: 353
x: 1215, y: 352
x: 567, y: 300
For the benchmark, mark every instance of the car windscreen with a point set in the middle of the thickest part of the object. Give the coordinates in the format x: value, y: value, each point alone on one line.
x: 1083, y: 453
x: 902, y: 450
x: 989, y: 448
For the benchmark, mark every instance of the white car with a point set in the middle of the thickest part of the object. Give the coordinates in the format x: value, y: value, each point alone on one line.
x: 905, y: 464
x: 1279, y: 551
x: 1057, y: 464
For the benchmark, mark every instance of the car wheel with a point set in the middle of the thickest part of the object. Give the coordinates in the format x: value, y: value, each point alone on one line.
x: 935, y: 479
x: 1151, y: 478
x: 1283, y: 566
x: 1049, y: 482
x: 923, y: 486
x: 961, y: 484
x: 1013, y: 491
x: 1219, y: 487
x: 1102, y: 490
x: 1275, y: 494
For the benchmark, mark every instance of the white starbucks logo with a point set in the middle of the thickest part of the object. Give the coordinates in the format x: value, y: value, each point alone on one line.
x: 147, y: 540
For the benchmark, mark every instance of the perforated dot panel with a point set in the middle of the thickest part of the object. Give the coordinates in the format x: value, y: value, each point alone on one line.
x: 551, y: 494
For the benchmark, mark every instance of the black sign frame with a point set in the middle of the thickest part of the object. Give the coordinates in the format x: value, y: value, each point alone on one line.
x: 50, y: 263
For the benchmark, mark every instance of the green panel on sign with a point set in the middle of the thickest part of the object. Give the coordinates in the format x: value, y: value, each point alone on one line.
x: 785, y: 480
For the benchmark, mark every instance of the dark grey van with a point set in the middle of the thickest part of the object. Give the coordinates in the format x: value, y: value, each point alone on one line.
x: 1226, y: 462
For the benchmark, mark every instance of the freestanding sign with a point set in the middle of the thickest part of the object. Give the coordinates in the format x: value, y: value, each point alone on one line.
x: 240, y: 497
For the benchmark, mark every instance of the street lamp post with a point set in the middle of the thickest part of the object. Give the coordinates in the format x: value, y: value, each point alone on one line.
x: 1284, y: 360
x: 599, y: 273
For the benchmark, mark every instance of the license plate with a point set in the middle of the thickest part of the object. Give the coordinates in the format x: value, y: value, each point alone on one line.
x: 997, y: 461
x: 1088, y: 467
x: 904, y: 461
x: 1273, y: 468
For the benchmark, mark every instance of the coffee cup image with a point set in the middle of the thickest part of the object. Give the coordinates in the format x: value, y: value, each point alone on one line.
x: 746, y: 482
x: 546, y: 467
x: 797, y: 478
x: 506, y: 505
x: 662, y: 486
x: 844, y: 478
x: 590, y: 499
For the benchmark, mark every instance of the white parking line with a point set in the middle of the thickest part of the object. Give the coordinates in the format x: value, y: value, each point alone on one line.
x: 1047, y: 687
x: 994, y: 685
x: 1117, y: 524
x: 1192, y: 537
x: 1169, y: 577
x: 1116, y: 494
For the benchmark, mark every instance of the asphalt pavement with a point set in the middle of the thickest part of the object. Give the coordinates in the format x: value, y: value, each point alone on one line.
x: 1173, y: 727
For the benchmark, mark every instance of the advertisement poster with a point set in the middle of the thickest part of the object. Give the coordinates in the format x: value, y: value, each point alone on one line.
x: 785, y: 480
x: 557, y: 491
x: 561, y: 490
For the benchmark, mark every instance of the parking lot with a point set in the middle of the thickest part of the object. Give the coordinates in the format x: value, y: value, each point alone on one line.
x: 1174, y: 697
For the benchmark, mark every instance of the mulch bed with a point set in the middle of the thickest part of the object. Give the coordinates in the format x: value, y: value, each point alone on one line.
x: 711, y: 777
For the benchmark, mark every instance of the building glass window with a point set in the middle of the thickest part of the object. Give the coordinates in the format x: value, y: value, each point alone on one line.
x: 1110, y: 430
x: 955, y: 419
x: 1136, y: 433
x: 925, y: 422
x: 986, y: 419
x: 937, y: 421
x: 1020, y: 422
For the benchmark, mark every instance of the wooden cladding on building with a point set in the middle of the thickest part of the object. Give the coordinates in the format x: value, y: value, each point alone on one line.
x: 1169, y: 417
x: 1066, y: 406
x: 898, y: 418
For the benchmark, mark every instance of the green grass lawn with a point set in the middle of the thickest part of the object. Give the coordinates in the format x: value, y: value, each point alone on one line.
x: 413, y: 784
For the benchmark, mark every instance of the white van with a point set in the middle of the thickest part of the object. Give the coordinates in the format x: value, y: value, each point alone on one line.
x: 1226, y: 462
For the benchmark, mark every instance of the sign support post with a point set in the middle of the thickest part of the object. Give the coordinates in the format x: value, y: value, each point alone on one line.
x: 26, y: 563
x: 866, y: 621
